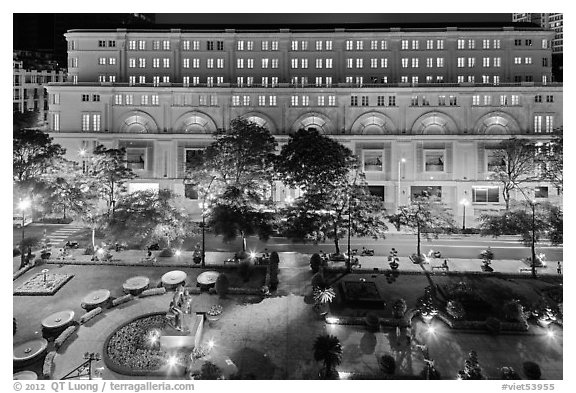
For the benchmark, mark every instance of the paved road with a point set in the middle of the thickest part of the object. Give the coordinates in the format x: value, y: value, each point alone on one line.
x: 456, y: 246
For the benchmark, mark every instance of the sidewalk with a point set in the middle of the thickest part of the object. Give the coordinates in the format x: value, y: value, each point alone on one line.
x: 299, y: 261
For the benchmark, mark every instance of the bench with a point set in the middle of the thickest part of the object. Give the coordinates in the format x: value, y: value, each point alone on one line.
x: 525, y: 269
x: 231, y: 260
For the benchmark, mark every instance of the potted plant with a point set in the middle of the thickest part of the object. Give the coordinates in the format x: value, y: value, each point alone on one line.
x: 323, y: 296
x: 214, y: 313
x: 399, y: 308
x: 327, y: 349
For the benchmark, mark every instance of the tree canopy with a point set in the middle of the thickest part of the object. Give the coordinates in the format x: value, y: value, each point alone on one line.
x: 312, y: 161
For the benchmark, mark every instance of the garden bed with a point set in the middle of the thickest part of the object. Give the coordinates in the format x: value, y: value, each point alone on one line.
x: 37, y: 286
x: 128, y: 349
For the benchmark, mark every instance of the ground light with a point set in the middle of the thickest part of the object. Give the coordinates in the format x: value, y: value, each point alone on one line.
x: 211, y: 343
x: 331, y: 320
x: 172, y: 360
x: 550, y: 334
x: 178, y: 253
x: 252, y: 254
x: 431, y: 330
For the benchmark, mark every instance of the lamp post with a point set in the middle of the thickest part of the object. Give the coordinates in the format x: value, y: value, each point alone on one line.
x: 400, y: 162
x: 23, y: 205
x: 464, y: 202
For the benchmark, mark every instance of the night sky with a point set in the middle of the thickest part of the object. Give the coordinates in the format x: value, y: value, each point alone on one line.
x: 281, y: 18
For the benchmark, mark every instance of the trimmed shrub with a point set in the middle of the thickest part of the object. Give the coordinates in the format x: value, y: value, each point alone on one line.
x: 245, y: 270
x: 48, y: 363
x: 399, y: 308
x: 90, y: 314
x: 455, y: 309
x: 15, y: 252
x: 274, y: 262
x: 61, y: 339
x: 372, y: 322
x: 531, y: 370
x: 493, y: 325
x: 166, y: 253
x: 315, y: 262
x: 122, y: 299
x: 513, y: 311
x: 387, y: 364
x: 153, y: 292
x: 210, y: 371
x: 222, y: 285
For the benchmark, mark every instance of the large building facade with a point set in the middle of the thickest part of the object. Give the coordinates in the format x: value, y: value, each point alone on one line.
x: 423, y: 109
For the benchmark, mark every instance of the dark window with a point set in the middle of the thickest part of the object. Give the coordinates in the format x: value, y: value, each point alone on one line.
x: 364, y: 100
x: 220, y: 45
x: 209, y: 45
x: 377, y: 191
x: 549, y: 98
x: 517, y: 42
x: 192, y: 157
x: 544, y: 62
x: 529, y: 78
x: 517, y: 78
x: 541, y: 192
x: 392, y: 101
x: 528, y: 42
x: 190, y: 191
x: 354, y: 101
x: 426, y: 191
x: 538, y: 98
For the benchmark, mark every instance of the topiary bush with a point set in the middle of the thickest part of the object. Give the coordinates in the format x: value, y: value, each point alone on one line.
x: 399, y: 308
x: 166, y: 253
x: 222, y: 285
x: 15, y: 252
x: 245, y: 270
x: 509, y: 373
x: 210, y: 371
x: 531, y: 370
x: 493, y: 325
x: 372, y: 322
x: 318, y: 281
x: 455, y: 309
x: 387, y: 364
x: 273, y: 268
x: 315, y: 262
x: 513, y: 311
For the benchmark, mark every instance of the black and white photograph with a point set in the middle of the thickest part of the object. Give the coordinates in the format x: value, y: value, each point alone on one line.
x: 287, y: 196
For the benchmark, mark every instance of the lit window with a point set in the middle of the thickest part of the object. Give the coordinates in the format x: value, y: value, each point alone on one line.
x: 475, y: 100
x: 131, y: 80
x: 332, y: 100
x: 195, y: 45
x: 131, y: 45
x: 319, y: 62
x: 240, y: 45
x: 503, y: 100
x: 485, y: 194
x: 383, y: 45
x: 496, y: 79
x: 102, y: 61
x: 415, y: 44
x: 461, y: 44
x: 118, y: 99
x: 328, y: 81
x: 294, y: 45
x: 186, y: 45
x: 304, y: 63
x: 372, y: 160
x: 497, y: 61
x: 131, y: 63
x: 440, y: 62
x: 487, y: 100
x: 471, y: 61
x: 359, y: 45
x: 240, y: 81
x: 144, y: 100
x: 156, y: 63
x: 96, y: 122
x: 373, y: 63
x: 165, y: 79
x: 261, y: 100
x: 485, y: 44
x: 166, y: 45
x: 249, y: 45
x: 274, y: 63
x: 249, y: 80
x: 328, y: 45
x: 496, y: 44
x: 166, y: 63
x: 527, y: 60
x: 239, y: 63
x: 220, y: 63
x: 320, y: 100
x: 383, y: 63
x: 304, y: 45
x: 305, y: 100
x: 142, y: 45
x: 85, y: 122
x: 264, y: 45
x: 294, y: 100
x: 274, y: 81
x: 265, y: 81
x: 471, y: 44
x: 235, y: 100
x: 515, y: 100
x: 249, y: 63
x: 328, y: 63
x: 186, y: 63
x: 272, y: 100
x: 274, y: 45
x: 404, y: 44
x: 434, y: 160
x: 549, y: 124
x: 142, y: 62
x: 414, y: 63
x: 404, y: 62
x: 318, y: 81
x: 129, y: 99
x: 56, y: 121
x: 359, y: 63
x: 517, y: 60
x: 538, y: 124
x: 155, y: 99
x: 460, y: 78
x: 265, y: 63
x: 439, y: 44
x: 485, y: 62
x: 429, y: 44
x: 349, y: 45
x: 246, y: 100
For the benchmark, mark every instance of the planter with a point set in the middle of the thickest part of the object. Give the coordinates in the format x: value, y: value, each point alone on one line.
x: 197, y: 260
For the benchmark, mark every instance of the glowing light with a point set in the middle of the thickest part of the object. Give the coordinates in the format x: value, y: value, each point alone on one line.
x: 178, y: 253
x: 100, y: 251
x: 332, y: 320
x: 344, y: 374
x: 24, y: 204
x: 252, y: 254
x: 402, y: 160
x: 211, y: 343
x: 431, y: 329
x: 82, y: 152
x: 550, y: 333
x: 172, y: 361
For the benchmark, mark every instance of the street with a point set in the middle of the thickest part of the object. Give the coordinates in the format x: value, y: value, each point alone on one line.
x: 457, y: 246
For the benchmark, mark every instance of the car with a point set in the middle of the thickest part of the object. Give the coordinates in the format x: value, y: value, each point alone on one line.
x: 17, y: 221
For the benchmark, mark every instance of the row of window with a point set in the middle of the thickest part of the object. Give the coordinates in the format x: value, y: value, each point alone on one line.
x: 425, y: 101
x: 128, y: 99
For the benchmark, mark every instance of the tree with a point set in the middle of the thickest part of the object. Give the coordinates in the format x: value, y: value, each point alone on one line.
x: 343, y: 207
x: 67, y: 189
x: 235, y: 170
x: 33, y: 152
x: 472, y: 369
x: 26, y: 246
x: 530, y: 220
x: 273, y: 270
x: 109, y: 170
x: 222, y: 285
x: 327, y: 348
x: 313, y: 161
x: 149, y: 216
x: 209, y: 371
x: 550, y: 157
x: 426, y: 216
x: 515, y: 165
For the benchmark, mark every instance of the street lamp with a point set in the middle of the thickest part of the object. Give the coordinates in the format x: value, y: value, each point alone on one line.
x: 23, y: 205
x: 464, y: 202
x: 400, y: 162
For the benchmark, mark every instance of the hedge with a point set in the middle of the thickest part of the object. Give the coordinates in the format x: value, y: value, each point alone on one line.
x: 153, y: 292
x: 122, y: 299
x: 64, y: 336
x: 48, y: 363
x: 90, y: 314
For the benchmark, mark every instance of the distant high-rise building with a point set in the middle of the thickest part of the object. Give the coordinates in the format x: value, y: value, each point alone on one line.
x: 548, y: 21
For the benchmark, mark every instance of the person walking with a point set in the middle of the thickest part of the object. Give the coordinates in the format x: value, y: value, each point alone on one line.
x: 559, y: 268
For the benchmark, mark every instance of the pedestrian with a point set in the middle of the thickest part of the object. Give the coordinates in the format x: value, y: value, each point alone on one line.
x: 559, y: 268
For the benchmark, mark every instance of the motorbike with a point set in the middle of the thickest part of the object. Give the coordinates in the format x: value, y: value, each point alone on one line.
x: 367, y: 252
x: 434, y: 254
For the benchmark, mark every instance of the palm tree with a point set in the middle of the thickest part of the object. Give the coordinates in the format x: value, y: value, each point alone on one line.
x: 327, y: 348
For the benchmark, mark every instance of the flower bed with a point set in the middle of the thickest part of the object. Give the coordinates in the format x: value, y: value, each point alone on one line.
x: 37, y: 286
x: 128, y: 350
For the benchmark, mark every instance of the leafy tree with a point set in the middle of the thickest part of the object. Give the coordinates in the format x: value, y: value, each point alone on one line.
x: 149, y: 216
x: 222, y: 285
x: 109, y: 170
x: 426, y: 216
x: 313, y: 161
x: 26, y: 246
x: 530, y: 220
x: 329, y: 213
x: 425, y: 304
x: 67, y: 189
x: 33, y: 153
x: 273, y: 269
x: 472, y: 369
x: 387, y: 364
x: 515, y: 165
x: 235, y: 170
x: 327, y: 348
